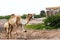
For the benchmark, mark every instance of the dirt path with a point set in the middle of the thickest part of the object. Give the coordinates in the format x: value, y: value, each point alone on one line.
x: 31, y: 34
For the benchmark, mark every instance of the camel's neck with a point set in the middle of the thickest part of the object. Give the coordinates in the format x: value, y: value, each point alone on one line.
x: 24, y: 21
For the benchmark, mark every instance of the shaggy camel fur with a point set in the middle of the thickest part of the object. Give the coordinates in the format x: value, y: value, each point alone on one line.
x: 16, y: 21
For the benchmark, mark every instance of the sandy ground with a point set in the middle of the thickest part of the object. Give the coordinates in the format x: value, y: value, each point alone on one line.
x: 30, y: 34
x: 33, y: 34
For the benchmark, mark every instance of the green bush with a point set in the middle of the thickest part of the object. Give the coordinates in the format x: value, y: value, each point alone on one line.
x: 42, y: 13
x: 37, y: 16
x: 53, y: 21
x: 7, y: 17
x: 24, y: 16
x: 1, y: 17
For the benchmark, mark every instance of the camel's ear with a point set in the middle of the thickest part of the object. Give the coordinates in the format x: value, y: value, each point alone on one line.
x: 28, y: 13
x: 31, y: 14
x: 12, y: 14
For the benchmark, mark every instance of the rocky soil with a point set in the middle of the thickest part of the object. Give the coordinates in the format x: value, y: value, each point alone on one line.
x: 30, y: 34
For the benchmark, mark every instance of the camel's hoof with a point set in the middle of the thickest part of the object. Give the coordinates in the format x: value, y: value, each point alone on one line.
x: 25, y: 31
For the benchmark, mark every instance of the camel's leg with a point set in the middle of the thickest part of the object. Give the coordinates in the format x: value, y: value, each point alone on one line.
x: 9, y: 31
x: 11, y: 28
x: 23, y: 27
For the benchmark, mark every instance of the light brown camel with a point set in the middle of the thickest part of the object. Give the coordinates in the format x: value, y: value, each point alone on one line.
x: 16, y: 21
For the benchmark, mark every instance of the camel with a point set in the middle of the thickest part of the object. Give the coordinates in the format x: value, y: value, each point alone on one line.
x: 16, y: 21
x: 8, y: 26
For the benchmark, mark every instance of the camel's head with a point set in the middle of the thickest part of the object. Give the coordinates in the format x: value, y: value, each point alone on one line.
x: 29, y: 16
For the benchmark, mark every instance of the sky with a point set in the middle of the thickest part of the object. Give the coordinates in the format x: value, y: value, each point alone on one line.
x: 20, y: 7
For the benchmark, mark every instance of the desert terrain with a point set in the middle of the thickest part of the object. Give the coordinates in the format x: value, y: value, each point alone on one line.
x: 30, y: 34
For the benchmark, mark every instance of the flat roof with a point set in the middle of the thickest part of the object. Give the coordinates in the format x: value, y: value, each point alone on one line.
x: 53, y: 7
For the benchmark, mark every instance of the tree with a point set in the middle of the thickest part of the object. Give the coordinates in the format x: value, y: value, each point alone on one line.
x: 42, y: 13
x: 24, y: 16
x: 7, y: 16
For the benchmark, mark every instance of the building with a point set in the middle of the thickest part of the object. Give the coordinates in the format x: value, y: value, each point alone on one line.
x: 52, y: 11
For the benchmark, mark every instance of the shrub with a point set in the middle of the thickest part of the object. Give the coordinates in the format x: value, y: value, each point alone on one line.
x: 24, y: 16
x: 1, y: 17
x: 7, y: 17
x: 53, y: 21
x: 42, y: 13
x: 37, y: 16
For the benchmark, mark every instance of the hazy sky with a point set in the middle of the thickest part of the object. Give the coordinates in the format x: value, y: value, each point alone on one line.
x: 20, y: 7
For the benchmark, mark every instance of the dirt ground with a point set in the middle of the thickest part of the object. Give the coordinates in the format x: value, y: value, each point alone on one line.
x: 30, y: 34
